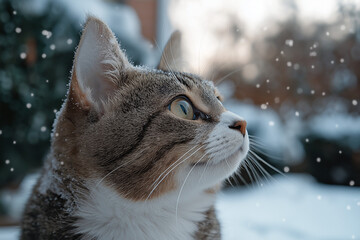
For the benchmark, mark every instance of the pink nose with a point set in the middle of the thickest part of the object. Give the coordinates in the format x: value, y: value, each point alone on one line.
x: 240, y: 126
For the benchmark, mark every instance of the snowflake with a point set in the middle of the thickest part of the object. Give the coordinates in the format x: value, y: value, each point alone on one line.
x: 46, y: 33
x: 313, y: 54
x: 289, y: 42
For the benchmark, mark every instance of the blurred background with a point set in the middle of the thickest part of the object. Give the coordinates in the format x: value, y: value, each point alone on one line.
x: 291, y: 68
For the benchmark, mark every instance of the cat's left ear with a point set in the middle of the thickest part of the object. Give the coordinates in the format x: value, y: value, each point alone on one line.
x: 98, y: 66
x: 171, y: 58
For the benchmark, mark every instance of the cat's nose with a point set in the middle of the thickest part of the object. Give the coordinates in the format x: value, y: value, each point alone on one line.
x: 239, y: 126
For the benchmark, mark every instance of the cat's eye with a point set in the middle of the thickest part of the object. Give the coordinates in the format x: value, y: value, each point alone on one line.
x: 182, y: 108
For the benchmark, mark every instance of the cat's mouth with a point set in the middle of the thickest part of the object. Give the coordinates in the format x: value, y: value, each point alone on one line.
x: 214, y: 162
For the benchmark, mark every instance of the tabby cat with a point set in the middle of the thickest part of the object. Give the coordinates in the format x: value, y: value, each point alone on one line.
x: 136, y: 153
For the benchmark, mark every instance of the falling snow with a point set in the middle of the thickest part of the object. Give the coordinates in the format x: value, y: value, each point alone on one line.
x: 313, y: 54
x: 46, y: 33
x: 354, y: 102
x: 289, y: 42
x: 22, y: 55
x: 7, y: 161
x: 28, y: 105
x: 18, y: 30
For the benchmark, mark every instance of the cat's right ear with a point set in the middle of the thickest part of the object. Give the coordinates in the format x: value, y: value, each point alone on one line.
x: 98, y: 66
x: 171, y: 58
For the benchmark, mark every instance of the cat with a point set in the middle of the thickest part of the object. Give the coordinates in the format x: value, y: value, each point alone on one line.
x: 136, y: 153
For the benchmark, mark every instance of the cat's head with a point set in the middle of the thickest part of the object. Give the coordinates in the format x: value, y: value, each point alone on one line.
x: 144, y: 131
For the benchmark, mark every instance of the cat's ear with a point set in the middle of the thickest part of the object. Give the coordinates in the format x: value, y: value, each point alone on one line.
x: 98, y: 66
x: 171, y: 58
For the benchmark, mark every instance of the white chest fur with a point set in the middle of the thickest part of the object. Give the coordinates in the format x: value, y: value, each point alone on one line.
x: 105, y: 215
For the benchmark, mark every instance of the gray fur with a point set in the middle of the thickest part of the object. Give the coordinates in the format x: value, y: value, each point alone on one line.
x: 136, y: 134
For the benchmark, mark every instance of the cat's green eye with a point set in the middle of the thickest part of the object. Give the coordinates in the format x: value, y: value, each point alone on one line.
x: 182, y: 108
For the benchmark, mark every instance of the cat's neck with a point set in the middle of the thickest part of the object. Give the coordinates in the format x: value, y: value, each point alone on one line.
x: 106, y: 215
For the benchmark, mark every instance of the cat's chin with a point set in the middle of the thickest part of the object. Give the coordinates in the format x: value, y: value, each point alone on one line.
x: 212, y: 172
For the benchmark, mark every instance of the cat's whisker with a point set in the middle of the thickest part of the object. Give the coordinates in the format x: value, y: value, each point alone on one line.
x: 247, y: 171
x: 238, y: 173
x: 265, y: 174
x: 102, y: 179
x: 266, y: 163
x: 228, y: 179
x: 202, y: 174
x: 227, y: 75
x: 271, y: 156
x: 174, y: 164
x: 257, y: 177
x: 210, y: 153
x: 182, y: 186
x: 177, y: 164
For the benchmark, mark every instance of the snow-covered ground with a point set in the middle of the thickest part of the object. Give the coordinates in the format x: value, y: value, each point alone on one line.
x: 288, y: 208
